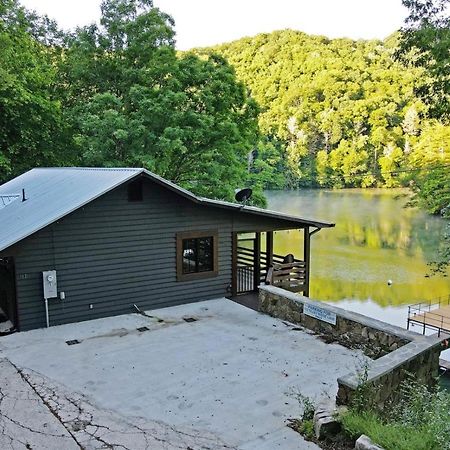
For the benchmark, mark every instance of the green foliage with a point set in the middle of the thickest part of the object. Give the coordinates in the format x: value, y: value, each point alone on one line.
x: 389, y: 436
x: 333, y: 113
x: 134, y: 102
x: 417, y: 421
x: 117, y: 94
x: 307, y: 406
x: 32, y: 129
x: 343, y: 111
x: 425, y: 42
x: 431, y: 157
x: 306, y: 428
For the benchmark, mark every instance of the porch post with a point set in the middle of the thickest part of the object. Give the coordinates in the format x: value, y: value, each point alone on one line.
x: 234, y: 244
x: 306, y: 258
x: 257, y: 260
x: 269, y: 249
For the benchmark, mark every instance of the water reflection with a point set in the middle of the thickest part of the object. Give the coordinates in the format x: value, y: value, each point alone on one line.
x: 376, y: 239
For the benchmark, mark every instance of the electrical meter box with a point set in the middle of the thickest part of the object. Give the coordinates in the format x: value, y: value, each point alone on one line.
x: 50, y: 285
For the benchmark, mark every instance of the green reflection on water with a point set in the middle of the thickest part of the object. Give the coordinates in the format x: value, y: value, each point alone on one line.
x: 375, y: 239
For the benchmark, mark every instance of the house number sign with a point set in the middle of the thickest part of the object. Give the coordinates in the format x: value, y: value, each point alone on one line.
x: 319, y: 313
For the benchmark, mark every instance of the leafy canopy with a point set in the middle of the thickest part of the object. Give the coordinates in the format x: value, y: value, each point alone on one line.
x: 117, y: 94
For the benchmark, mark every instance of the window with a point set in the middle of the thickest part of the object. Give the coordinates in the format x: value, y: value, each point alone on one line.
x: 196, y: 255
x: 135, y: 191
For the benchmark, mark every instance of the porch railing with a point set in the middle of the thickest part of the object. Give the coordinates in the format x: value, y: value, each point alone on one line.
x: 290, y: 276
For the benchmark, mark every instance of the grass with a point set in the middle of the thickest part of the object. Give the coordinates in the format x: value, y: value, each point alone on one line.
x: 390, y: 436
x: 418, y: 420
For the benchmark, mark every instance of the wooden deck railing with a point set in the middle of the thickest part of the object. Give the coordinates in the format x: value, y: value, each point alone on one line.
x: 245, y: 258
x: 290, y: 276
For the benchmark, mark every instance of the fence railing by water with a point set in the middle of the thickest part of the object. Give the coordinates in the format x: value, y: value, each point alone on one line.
x: 432, y: 315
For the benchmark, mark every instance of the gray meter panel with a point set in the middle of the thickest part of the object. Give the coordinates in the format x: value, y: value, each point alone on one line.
x: 50, y: 284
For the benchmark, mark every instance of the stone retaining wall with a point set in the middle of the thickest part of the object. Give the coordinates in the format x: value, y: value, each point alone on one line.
x: 396, y: 351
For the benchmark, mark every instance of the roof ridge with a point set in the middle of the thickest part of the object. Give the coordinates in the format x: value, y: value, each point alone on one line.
x: 108, y: 169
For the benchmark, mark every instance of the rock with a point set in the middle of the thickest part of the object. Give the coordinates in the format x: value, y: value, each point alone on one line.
x: 365, y: 443
x: 325, y: 423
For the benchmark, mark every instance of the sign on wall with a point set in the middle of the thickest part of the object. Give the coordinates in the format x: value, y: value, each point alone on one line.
x: 319, y: 313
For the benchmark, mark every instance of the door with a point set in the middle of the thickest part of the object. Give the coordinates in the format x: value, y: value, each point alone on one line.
x: 8, y: 304
x: 246, y: 261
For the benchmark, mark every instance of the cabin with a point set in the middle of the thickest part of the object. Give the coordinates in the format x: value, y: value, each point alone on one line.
x: 85, y: 243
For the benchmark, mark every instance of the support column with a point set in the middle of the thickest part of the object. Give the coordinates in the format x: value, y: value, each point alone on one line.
x: 234, y: 274
x: 257, y: 260
x: 269, y: 249
x: 306, y: 258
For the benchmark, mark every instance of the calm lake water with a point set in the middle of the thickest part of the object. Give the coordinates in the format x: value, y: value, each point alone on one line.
x: 376, y: 239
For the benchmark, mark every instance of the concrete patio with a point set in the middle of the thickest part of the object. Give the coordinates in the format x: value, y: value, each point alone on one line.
x: 229, y: 379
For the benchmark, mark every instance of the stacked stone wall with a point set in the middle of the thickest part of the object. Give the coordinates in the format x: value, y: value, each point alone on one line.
x: 396, y: 352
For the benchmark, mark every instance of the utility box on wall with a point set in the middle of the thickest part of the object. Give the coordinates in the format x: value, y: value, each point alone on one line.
x: 50, y: 284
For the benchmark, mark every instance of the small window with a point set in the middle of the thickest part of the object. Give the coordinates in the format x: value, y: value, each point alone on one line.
x: 135, y: 191
x: 196, y: 255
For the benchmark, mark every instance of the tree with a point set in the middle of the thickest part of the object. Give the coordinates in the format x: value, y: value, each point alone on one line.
x: 32, y: 129
x: 132, y: 101
x: 425, y: 42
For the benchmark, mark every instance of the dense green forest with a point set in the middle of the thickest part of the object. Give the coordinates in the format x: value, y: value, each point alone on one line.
x: 279, y: 110
x: 117, y: 94
x: 338, y: 113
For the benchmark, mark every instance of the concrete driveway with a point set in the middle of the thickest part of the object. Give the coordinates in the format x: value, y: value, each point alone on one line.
x: 227, y: 379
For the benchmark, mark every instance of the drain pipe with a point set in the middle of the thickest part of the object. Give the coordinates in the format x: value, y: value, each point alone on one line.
x: 47, y: 318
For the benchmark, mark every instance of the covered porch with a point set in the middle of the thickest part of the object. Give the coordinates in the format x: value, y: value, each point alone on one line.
x: 255, y: 262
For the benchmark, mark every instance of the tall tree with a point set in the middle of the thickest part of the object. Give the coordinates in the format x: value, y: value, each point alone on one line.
x: 32, y: 129
x: 132, y: 100
x: 425, y: 42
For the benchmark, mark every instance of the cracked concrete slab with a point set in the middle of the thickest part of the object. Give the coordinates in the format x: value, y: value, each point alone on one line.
x: 25, y: 421
x: 94, y: 428
x: 230, y: 377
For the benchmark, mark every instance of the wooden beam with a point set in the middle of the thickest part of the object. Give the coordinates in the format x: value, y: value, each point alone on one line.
x: 269, y: 249
x: 306, y: 258
x: 257, y: 260
x: 234, y: 257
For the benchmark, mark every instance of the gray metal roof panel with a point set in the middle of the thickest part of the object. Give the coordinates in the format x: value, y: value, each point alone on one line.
x: 52, y: 193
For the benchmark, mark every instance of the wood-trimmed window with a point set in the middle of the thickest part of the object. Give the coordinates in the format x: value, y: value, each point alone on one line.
x: 197, y: 255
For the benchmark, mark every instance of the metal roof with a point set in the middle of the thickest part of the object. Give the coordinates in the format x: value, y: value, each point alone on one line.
x: 52, y: 193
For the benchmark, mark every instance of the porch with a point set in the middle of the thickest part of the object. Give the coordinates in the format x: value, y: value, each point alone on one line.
x: 254, y: 263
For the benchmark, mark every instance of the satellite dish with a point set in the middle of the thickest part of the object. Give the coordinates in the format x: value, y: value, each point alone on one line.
x: 243, y: 195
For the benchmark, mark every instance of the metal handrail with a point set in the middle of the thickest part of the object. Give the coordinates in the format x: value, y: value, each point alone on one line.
x: 432, y: 302
x: 424, y: 309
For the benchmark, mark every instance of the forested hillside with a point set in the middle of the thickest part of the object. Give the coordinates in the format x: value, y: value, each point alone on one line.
x: 336, y: 113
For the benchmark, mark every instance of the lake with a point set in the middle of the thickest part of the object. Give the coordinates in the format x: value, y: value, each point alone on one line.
x: 376, y: 239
